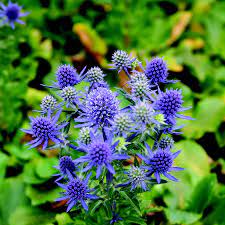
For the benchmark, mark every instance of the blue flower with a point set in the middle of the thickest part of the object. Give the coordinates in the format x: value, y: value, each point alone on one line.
x: 98, y: 84
x: 137, y: 177
x: 122, y: 124
x: 11, y: 14
x: 115, y: 216
x: 156, y: 71
x: 101, y: 107
x: 70, y: 96
x: 84, y: 136
x: 121, y: 61
x: 170, y: 103
x: 166, y: 143
x: 44, y: 129
x: 100, y: 153
x: 76, y: 190
x: 160, y: 162
x: 139, y: 86
x: 48, y: 103
x: 95, y: 74
x: 65, y: 164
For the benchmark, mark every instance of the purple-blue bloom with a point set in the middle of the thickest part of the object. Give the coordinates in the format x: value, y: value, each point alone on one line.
x: 160, y: 162
x: 44, y: 129
x: 101, y: 107
x: 76, y: 190
x: 65, y: 164
x: 156, y: 71
x: 100, y: 153
x: 166, y: 143
x: 70, y: 96
x: 48, y: 103
x: 95, y: 74
x: 121, y: 61
x: 11, y: 14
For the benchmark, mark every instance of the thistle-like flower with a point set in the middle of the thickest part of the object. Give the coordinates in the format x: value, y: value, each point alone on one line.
x: 170, y: 103
x: 44, y: 129
x: 70, y: 96
x: 84, y: 136
x: 95, y: 74
x: 160, y: 162
x: 166, y: 143
x: 139, y: 85
x: 76, y: 190
x: 156, y: 71
x: 137, y: 177
x: 121, y: 61
x: 65, y: 164
x: 101, y: 107
x: 122, y: 124
x: 48, y: 103
x: 11, y: 14
x: 100, y: 153
x: 67, y: 76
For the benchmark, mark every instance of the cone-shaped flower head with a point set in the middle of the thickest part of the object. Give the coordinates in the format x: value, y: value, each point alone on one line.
x: 100, y: 154
x: 122, y: 124
x: 160, y: 162
x: 169, y: 102
x: 95, y: 74
x: 48, y: 103
x: 166, y: 143
x: 156, y: 70
x: 139, y: 85
x: 44, y: 129
x: 101, y: 107
x: 76, y: 190
x: 121, y: 61
x: 69, y: 95
x: 67, y: 76
x: 84, y: 135
x: 11, y: 14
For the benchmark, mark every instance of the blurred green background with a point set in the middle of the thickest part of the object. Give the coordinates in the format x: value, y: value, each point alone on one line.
x: 189, y: 34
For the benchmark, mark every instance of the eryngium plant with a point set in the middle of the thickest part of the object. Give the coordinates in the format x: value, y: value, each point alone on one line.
x: 120, y: 151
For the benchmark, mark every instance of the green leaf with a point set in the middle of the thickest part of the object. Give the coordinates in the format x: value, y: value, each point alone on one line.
x: 133, y: 205
x: 181, y: 217
x: 12, y: 195
x: 39, y: 197
x: 3, y: 164
x: 64, y: 219
x: 202, y: 194
x: 29, y: 215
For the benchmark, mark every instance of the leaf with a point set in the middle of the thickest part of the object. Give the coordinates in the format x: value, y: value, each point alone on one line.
x: 39, y: 197
x: 30, y: 215
x: 123, y: 194
x: 202, y: 194
x: 208, y: 114
x: 3, y: 164
x: 181, y: 217
x: 64, y: 219
x: 12, y: 195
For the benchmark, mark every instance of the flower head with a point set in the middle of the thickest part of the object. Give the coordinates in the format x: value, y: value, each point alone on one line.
x: 166, y: 143
x: 44, y: 129
x: 69, y: 95
x: 169, y: 102
x: 95, y: 74
x: 160, y: 162
x: 11, y: 14
x: 101, y: 107
x: 65, y: 164
x: 84, y: 135
x: 121, y: 61
x: 156, y: 71
x: 48, y: 103
x: 122, y: 124
x: 76, y: 190
x: 100, y: 153
x: 67, y: 76
x: 139, y: 85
